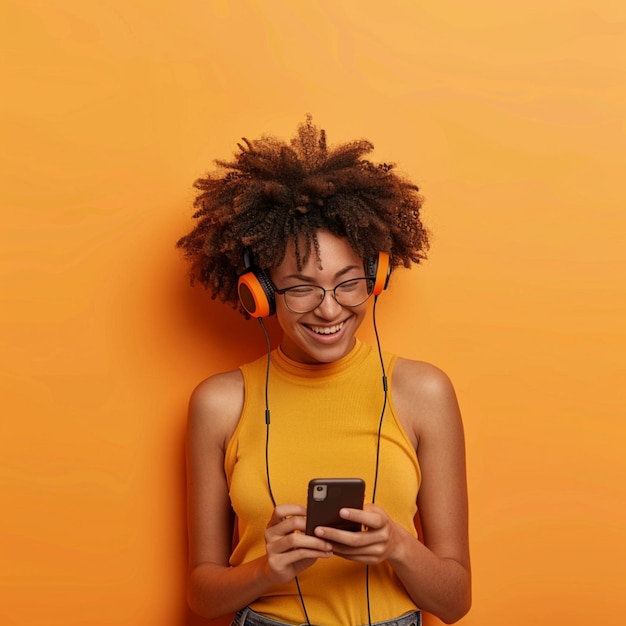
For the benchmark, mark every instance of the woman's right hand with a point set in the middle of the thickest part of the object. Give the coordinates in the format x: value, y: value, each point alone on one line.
x: 289, y: 549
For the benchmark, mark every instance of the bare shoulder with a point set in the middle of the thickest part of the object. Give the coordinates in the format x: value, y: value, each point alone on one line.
x: 215, y: 406
x: 421, y: 381
x: 424, y: 397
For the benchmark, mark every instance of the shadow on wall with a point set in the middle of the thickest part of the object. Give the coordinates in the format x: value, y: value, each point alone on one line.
x: 216, y: 329
x: 217, y: 338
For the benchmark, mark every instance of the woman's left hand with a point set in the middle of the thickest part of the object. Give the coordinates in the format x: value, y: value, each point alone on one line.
x: 373, y: 545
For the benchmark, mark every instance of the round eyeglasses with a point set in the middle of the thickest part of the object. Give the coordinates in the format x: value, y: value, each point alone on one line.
x: 306, y: 298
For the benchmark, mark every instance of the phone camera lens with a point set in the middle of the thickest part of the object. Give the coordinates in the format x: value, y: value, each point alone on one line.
x: 319, y: 488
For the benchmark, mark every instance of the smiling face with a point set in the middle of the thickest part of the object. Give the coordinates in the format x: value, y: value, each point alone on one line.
x: 327, y: 333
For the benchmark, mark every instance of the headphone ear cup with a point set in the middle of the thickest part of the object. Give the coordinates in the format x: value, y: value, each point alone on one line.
x: 379, y: 268
x: 256, y: 293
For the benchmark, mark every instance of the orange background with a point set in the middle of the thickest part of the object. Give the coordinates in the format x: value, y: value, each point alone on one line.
x: 511, y: 118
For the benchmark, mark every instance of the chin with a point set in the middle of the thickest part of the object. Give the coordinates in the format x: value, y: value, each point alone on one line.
x: 329, y: 353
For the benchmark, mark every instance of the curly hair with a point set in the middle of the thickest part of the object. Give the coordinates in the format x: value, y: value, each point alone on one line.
x: 273, y: 194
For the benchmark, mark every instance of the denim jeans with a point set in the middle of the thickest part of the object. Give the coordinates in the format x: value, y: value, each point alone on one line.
x: 247, y: 617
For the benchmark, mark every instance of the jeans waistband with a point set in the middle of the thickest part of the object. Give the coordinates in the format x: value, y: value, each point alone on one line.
x: 247, y: 617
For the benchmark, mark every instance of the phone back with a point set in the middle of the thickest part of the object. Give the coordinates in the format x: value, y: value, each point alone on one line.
x: 326, y: 496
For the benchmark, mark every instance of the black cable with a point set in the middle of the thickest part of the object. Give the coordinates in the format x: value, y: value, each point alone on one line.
x: 377, y: 465
x: 267, y: 411
x: 385, y: 390
x: 267, y: 445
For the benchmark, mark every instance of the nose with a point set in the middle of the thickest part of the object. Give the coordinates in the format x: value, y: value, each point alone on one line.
x: 328, y: 307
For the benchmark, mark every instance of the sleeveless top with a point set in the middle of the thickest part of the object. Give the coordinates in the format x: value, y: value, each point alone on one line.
x: 323, y: 424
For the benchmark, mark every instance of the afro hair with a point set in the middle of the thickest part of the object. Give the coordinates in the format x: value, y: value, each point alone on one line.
x: 274, y: 193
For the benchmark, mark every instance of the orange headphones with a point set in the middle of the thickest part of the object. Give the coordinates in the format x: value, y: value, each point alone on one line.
x: 256, y: 292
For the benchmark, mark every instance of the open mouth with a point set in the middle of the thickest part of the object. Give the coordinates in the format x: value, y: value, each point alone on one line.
x: 326, y: 330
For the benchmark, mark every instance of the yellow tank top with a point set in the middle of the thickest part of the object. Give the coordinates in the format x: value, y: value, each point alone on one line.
x: 324, y: 424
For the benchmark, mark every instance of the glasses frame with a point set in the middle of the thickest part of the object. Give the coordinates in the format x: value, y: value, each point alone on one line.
x: 370, y: 290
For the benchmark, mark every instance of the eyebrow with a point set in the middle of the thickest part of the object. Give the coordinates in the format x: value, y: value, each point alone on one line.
x: 339, y: 274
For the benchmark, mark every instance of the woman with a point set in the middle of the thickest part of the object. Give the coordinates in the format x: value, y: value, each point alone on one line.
x: 309, y: 233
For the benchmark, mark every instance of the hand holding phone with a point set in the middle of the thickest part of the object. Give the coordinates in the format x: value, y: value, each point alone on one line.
x: 327, y: 496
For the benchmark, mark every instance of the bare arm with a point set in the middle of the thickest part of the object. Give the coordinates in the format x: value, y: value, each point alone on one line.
x: 436, y: 573
x: 215, y: 588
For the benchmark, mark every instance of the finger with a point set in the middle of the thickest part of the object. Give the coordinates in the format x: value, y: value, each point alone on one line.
x: 298, y: 554
x: 343, y: 538
x: 283, y: 567
x: 371, y: 517
x: 298, y: 541
x: 363, y: 547
x: 285, y: 528
x: 286, y: 511
x: 358, y: 540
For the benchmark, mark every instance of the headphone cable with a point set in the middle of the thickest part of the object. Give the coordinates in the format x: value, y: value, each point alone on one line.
x: 267, y: 410
x: 377, y: 464
x: 267, y: 446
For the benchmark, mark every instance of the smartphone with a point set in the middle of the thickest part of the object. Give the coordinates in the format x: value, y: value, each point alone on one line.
x: 326, y: 496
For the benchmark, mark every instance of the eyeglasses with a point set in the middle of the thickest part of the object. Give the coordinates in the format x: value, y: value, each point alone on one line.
x: 306, y: 298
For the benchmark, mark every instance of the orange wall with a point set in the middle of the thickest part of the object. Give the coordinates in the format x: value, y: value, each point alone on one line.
x: 510, y: 115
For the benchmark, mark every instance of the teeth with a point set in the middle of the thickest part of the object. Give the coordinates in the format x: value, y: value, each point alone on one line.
x: 327, y: 330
